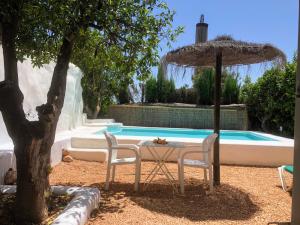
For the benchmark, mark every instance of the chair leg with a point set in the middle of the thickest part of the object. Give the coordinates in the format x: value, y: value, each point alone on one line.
x: 282, y: 179
x: 210, y: 174
x: 107, y: 176
x: 181, y: 177
x: 113, y: 173
x: 178, y: 173
x: 137, y: 175
x: 205, y: 175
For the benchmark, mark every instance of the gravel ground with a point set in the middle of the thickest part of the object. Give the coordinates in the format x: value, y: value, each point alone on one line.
x: 247, y: 195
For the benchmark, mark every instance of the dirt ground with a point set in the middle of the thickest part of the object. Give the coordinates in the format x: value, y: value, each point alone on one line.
x: 247, y: 195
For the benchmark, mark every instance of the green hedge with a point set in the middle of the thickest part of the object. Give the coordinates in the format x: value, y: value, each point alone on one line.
x: 271, y: 100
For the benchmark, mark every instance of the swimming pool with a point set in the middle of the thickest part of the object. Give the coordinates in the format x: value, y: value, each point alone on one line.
x: 182, y: 133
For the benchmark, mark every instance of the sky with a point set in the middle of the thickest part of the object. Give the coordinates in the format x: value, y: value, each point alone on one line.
x: 261, y: 21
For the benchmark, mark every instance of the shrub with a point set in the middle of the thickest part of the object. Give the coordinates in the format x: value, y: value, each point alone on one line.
x: 271, y: 100
x: 204, y: 86
x: 162, y: 85
x: 170, y: 91
x: 231, y: 90
x: 151, y: 90
x: 191, y: 96
x: 181, y: 94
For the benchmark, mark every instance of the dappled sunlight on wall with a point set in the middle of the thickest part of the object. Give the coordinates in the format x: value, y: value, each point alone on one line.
x: 35, y: 83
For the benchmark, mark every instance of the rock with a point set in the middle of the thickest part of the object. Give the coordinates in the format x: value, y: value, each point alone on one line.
x: 10, y: 177
x: 68, y: 158
x: 65, y: 153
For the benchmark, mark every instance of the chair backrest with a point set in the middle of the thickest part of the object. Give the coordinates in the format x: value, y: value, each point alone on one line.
x: 111, y: 142
x: 207, y: 145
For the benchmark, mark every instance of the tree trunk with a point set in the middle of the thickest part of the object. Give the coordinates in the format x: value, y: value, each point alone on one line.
x: 88, y: 111
x: 264, y: 123
x: 97, y: 108
x: 93, y: 114
x: 96, y: 112
x: 33, y: 155
x: 32, y: 159
x: 9, y: 30
x: 32, y: 139
x: 32, y: 182
x: 143, y: 92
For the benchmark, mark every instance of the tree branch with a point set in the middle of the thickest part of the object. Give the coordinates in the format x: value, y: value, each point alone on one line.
x: 11, y: 97
x: 58, y: 82
x: 9, y: 31
x: 11, y: 107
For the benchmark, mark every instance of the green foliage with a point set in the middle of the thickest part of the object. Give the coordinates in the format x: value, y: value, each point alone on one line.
x: 246, y: 88
x: 171, y: 95
x: 110, y: 67
x: 203, y: 83
x: 181, y: 94
x: 114, y: 40
x: 287, y: 111
x: 204, y: 86
x: 151, y: 90
x: 123, y: 95
x: 162, y: 86
x: 271, y: 100
x: 191, y: 96
x: 164, y: 91
x: 44, y: 25
x: 132, y: 28
x: 186, y: 95
x: 102, y: 78
x: 231, y: 90
x: 248, y: 96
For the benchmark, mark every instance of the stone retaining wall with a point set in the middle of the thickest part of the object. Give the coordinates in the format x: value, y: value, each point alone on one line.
x: 232, y: 118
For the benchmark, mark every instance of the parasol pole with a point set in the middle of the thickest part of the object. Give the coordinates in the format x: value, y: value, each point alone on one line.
x: 217, y: 98
x: 296, y: 174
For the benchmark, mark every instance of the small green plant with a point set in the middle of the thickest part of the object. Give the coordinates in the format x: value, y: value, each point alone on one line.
x: 50, y: 169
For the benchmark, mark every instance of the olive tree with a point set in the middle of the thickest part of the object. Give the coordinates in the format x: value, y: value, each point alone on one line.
x: 103, y: 78
x: 49, y: 30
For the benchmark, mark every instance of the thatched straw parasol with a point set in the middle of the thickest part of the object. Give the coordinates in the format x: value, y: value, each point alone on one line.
x: 223, y: 50
x: 233, y: 53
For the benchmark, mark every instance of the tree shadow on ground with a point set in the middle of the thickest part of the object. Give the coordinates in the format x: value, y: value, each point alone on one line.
x: 279, y: 223
x: 226, y: 203
x: 289, y: 191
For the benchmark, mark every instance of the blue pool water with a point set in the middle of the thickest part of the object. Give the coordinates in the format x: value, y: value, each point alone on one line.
x: 183, y: 133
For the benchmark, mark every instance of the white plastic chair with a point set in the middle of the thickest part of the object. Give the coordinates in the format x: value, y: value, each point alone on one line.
x: 281, y: 171
x: 205, y: 163
x: 112, y: 161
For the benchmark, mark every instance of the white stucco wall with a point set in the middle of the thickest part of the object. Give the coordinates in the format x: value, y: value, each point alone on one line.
x: 34, y: 83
